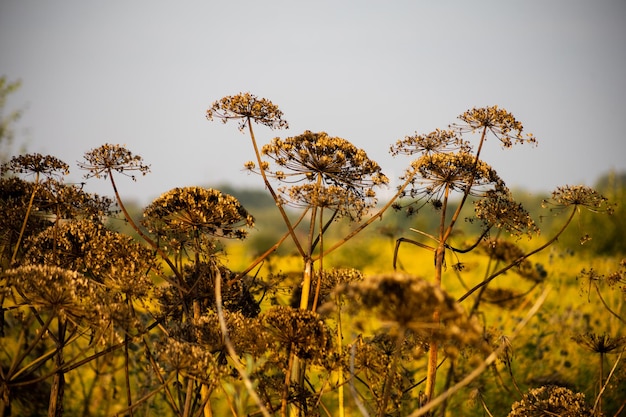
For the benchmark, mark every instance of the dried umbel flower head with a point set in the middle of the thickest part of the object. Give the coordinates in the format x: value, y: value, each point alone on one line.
x: 189, y: 359
x: 35, y: 163
x: 200, y: 278
x: 58, y: 291
x: 599, y: 343
x: 183, y: 214
x: 498, y: 121
x: 298, y: 331
x: 551, y: 400
x: 406, y: 303
x: 110, y: 258
x: 498, y: 209
x: 325, y: 165
x: 431, y: 176
x: 433, y: 142
x: 579, y: 196
x: 102, y: 161
x: 246, y: 107
x: 71, y: 202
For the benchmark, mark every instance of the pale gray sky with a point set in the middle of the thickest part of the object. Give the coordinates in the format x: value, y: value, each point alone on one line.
x: 142, y: 73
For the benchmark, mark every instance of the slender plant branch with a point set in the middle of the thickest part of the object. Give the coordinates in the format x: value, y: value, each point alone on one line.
x: 597, y: 405
x: 26, y: 217
x: 230, y: 348
x: 604, y: 303
x: 376, y: 216
x: 147, y: 238
x: 520, y: 259
x: 277, y: 200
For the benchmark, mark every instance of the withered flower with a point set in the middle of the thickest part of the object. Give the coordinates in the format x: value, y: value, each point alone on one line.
x: 599, y: 343
x: 446, y: 172
x: 335, y: 173
x: 406, y: 303
x: 246, y: 107
x: 183, y: 214
x: 551, y: 400
x: 579, y: 196
x: 508, y: 252
x: 433, y: 142
x: 44, y: 165
x: 298, y: 331
x: 102, y: 161
x: 498, y: 121
x: 59, y: 291
x: 92, y: 250
x: 498, y: 209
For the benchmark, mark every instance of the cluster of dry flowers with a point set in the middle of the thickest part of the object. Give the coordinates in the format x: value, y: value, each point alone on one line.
x: 164, y: 324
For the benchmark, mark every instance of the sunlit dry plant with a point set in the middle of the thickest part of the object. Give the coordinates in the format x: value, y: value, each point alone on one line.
x: 102, y: 161
x: 496, y: 120
x: 61, y: 292
x: 199, y: 279
x: 437, y: 141
x: 47, y: 166
x: 551, y: 400
x: 187, y: 359
x: 43, y: 165
x: 92, y: 250
x: 333, y: 172
x: 579, y: 196
x: 442, y: 173
x: 297, y: 331
x: 371, y: 365
x: 61, y: 201
x: 498, y: 209
x: 183, y: 215
x: 15, y: 194
x: 246, y: 107
x: 507, y: 253
x: 404, y: 302
x: 599, y: 343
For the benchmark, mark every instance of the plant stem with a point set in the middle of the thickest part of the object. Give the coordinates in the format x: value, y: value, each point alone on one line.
x: 369, y: 221
x: 520, y: 259
x: 28, y: 210
x: 229, y: 346
x: 145, y: 237
x: 272, y: 192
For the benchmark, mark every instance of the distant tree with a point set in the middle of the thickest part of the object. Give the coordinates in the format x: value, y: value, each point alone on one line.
x: 7, y: 120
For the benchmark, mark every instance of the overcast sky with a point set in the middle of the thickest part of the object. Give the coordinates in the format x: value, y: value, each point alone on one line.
x: 143, y: 73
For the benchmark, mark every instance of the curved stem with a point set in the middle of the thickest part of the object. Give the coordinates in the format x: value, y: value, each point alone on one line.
x: 318, y: 285
x: 145, y: 237
x: 520, y: 259
x: 28, y: 210
x: 265, y: 254
x: 229, y: 346
x: 369, y: 221
x: 272, y: 192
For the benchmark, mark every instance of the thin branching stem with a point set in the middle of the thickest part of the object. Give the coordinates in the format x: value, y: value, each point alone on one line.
x: 369, y: 221
x: 277, y: 200
x: 25, y: 221
x: 520, y: 259
x: 231, y: 349
x: 147, y: 238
